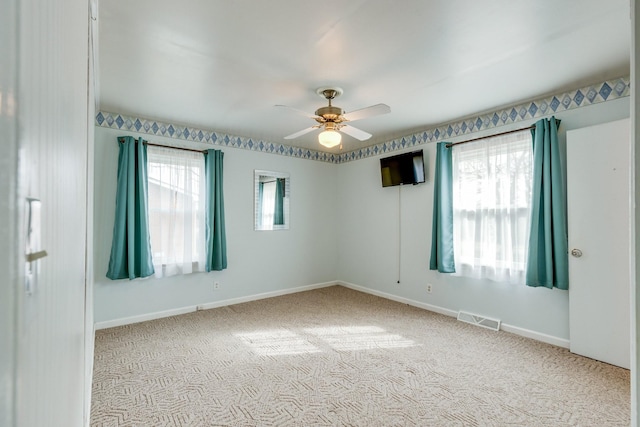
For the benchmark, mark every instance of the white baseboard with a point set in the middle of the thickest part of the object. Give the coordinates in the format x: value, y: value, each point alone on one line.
x: 403, y: 300
x: 527, y: 333
x: 256, y: 297
x: 549, y: 339
x: 215, y: 304
x: 144, y: 317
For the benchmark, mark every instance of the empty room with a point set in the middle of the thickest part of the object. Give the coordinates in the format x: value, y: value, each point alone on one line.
x: 364, y: 213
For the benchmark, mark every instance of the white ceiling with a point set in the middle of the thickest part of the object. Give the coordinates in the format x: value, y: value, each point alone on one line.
x: 223, y: 65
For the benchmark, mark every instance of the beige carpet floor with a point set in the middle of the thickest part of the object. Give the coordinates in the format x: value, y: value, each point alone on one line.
x: 337, y: 357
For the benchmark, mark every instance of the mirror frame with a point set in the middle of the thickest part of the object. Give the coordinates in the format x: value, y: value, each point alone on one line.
x: 257, y: 173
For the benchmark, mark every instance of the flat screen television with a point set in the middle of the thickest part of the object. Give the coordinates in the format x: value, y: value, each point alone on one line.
x: 402, y: 169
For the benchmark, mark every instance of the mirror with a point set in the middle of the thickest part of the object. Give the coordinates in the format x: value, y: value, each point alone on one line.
x: 271, y: 200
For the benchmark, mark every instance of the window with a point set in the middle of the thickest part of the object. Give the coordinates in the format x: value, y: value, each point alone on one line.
x: 492, y: 184
x: 176, y: 210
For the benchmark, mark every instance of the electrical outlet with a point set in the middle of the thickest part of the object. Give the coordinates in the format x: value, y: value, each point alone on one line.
x: 429, y: 288
x: 216, y: 286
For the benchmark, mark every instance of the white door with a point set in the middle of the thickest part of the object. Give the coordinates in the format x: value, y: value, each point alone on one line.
x: 598, y: 197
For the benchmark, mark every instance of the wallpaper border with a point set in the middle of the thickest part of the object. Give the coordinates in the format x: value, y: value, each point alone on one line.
x: 588, y: 95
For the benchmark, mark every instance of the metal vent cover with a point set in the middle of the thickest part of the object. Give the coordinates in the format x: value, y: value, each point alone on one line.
x: 475, y: 319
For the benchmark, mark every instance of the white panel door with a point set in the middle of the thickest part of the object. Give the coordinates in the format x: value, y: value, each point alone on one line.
x: 52, y: 115
x: 598, y: 195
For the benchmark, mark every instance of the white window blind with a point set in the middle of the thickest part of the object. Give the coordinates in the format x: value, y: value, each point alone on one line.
x: 176, y: 210
x: 492, y: 182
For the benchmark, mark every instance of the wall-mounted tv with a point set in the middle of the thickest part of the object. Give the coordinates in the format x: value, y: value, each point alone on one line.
x: 402, y: 169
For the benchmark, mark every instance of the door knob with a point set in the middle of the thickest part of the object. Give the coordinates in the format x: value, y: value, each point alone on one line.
x: 576, y: 253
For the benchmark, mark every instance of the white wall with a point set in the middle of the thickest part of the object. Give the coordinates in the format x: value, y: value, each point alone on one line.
x: 258, y: 261
x: 368, y: 242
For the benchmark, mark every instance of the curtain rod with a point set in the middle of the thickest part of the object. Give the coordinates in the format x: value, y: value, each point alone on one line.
x: 490, y: 136
x: 175, y: 148
x: 120, y: 140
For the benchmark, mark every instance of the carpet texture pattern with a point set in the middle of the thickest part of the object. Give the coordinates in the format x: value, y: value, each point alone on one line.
x: 337, y: 357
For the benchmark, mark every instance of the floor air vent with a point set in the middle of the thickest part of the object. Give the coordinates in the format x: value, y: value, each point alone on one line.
x: 474, y: 319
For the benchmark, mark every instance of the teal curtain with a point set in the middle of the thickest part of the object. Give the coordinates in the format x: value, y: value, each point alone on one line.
x: 278, y: 214
x: 215, y: 229
x: 260, y: 198
x: 442, y: 227
x: 131, y: 247
x: 547, y: 258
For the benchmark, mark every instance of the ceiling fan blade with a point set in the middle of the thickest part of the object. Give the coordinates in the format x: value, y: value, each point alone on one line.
x: 355, y: 132
x: 374, y: 110
x: 295, y: 110
x: 300, y: 133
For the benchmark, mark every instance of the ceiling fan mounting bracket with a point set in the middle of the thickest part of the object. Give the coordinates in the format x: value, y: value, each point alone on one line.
x: 329, y: 93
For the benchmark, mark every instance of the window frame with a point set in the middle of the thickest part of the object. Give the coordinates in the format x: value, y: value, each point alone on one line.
x: 474, y: 216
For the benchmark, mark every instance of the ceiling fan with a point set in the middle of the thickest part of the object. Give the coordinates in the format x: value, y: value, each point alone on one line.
x: 332, y: 119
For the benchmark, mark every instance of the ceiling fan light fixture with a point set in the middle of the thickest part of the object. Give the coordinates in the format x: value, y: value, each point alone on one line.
x: 329, y: 138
